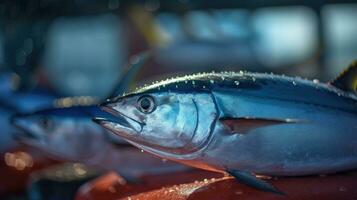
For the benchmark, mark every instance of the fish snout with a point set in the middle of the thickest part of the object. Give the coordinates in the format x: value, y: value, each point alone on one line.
x: 110, y: 104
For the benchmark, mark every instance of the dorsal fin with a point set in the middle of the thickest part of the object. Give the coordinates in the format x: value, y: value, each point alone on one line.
x: 131, y: 71
x: 347, y: 80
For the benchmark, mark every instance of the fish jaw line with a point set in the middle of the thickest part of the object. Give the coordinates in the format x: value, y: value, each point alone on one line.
x: 125, y: 131
x: 130, y: 123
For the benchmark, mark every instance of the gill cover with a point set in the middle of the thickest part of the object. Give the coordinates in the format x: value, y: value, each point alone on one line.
x: 179, y: 124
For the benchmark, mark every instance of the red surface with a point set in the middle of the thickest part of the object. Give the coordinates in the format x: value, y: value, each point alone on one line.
x: 13, y: 180
x: 170, y: 187
x: 112, y: 186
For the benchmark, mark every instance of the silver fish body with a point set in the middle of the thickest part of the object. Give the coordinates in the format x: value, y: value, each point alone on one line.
x: 70, y: 134
x: 312, y: 126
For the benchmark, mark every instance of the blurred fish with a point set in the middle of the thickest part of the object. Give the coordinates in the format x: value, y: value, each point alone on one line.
x: 67, y: 131
x: 12, y: 101
x: 70, y: 134
x: 244, y: 123
x: 6, y: 110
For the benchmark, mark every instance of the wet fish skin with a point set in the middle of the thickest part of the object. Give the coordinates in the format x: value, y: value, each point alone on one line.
x: 187, y: 124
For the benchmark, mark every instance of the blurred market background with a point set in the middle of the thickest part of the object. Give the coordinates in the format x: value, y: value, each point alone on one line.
x: 80, y: 48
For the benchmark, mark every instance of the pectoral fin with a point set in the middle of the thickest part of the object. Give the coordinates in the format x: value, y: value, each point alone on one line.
x: 347, y: 81
x: 244, y: 125
x: 252, y: 181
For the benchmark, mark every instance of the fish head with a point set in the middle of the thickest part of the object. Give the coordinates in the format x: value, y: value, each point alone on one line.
x: 31, y: 128
x: 170, y: 122
x: 67, y: 133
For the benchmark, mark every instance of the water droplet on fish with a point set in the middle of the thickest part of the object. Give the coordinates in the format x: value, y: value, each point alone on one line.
x: 316, y: 81
x: 222, y: 77
x: 236, y: 82
x: 294, y: 83
x: 253, y: 78
x: 142, y: 151
x: 186, y: 81
x: 193, y: 82
x: 176, y: 86
x: 212, y: 81
x: 203, y: 87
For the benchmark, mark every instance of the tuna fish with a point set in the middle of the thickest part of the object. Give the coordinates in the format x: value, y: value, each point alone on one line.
x: 244, y: 124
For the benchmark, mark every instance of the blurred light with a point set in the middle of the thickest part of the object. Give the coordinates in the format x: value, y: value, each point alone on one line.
x: 172, y: 26
x: 285, y: 35
x: 84, y: 55
x: 79, y: 169
x: 341, y: 41
x: 149, y: 28
x: 202, y: 26
x: 15, y: 81
x: 19, y: 160
x: 233, y: 23
x: 75, y: 101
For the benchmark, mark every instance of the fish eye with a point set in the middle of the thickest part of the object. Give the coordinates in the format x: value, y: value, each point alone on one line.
x: 45, y: 122
x: 146, y: 104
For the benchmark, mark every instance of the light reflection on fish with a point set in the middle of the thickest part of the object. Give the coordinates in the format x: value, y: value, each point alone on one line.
x: 70, y: 134
x: 244, y: 123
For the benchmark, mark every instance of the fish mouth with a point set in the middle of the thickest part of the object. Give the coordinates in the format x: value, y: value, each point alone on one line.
x: 119, y: 123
